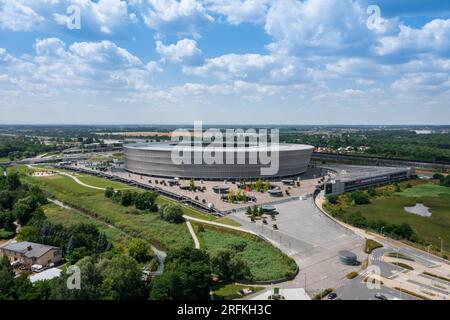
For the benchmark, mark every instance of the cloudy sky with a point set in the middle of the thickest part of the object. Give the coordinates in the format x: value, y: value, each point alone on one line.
x: 225, y: 61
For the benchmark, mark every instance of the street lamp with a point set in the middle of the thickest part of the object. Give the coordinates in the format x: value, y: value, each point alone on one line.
x: 442, y: 245
x: 382, y: 230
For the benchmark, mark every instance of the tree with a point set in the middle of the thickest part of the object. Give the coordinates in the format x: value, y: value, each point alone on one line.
x: 333, y: 199
x: 168, y: 286
x: 109, y: 192
x: 6, y: 200
x: 228, y: 266
x: 13, y: 181
x: 359, y: 197
x: 192, y: 186
x: 121, y: 279
x: 23, y: 210
x: 146, y: 201
x: 127, y: 199
x: 6, y: 279
x: 172, y: 213
x: 186, y: 276
x: 140, y: 250
x: 28, y: 233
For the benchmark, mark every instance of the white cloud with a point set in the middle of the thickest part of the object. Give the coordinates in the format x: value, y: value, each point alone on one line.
x: 433, y: 37
x: 240, y: 11
x: 17, y: 16
x: 322, y: 26
x: 184, y: 51
x: 174, y: 16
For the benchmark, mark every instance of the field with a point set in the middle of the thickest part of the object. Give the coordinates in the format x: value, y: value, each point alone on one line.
x: 148, y: 226
x: 264, y: 260
x: 118, y: 222
x: 429, y: 229
x: 68, y: 217
x: 231, y: 291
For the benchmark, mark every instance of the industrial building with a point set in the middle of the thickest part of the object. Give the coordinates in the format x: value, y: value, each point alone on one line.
x: 350, y: 178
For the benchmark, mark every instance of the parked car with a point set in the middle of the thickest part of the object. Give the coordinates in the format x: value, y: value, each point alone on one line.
x: 380, y: 296
x: 332, y: 296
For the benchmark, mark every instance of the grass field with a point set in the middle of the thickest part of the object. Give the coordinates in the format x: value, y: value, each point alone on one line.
x: 231, y: 291
x: 429, y: 229
x: 264, y: 260
x: 68, y: 217
x: 147, y: 226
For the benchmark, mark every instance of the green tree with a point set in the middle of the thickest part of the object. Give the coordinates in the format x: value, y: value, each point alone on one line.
x: 359, y: 197
x: 140, y: 250
x: 109, y: 192
x: 127, y: 199
x: 6, y: 279
x: 121, y: 279
x: 333, y: 199
x: 228, y: 266
x: 146, y: 201
x: 172, y: 213
x: 13, y: 181
x: 186, y: 276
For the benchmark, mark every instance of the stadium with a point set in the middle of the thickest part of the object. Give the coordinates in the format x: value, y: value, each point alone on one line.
x: 155, y: 159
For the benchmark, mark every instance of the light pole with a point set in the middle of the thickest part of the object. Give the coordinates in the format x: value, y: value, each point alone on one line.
x: 429, y: 247
x: 382, y: 230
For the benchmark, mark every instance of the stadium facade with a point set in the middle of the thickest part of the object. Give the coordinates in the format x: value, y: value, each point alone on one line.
x: 156, y: 159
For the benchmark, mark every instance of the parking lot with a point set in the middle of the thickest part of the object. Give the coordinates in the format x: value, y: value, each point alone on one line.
x: 313, y: 240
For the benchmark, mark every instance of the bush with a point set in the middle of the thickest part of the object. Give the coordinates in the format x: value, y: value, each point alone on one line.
x: 109, y: 192
x: 172, y: 213
x: 333, y: 199
x: 140, y: 250
x: 359, y: 197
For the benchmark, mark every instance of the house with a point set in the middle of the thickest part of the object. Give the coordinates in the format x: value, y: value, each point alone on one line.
x: 30, y: 253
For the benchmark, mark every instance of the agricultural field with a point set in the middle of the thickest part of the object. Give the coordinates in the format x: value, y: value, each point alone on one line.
x: 264, y: 260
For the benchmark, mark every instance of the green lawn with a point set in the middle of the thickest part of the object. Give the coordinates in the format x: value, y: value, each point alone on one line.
x: 429, y: 229
x: 103, y: 183
x: 231, y: 291
x: 147, y: 226
x: 265, y: 261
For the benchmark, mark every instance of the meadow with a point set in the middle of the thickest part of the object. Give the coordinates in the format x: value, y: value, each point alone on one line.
x: 264, y: 260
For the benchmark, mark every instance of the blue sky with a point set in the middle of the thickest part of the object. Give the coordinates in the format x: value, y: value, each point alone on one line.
x: 225, y: 62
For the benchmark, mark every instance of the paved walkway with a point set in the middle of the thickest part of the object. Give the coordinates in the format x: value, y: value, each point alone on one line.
x: 80, y: 182
x: 194, y: 236
x: 217, y: 224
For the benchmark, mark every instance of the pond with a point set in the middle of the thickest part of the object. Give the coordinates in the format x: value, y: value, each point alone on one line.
x: 419, y: 209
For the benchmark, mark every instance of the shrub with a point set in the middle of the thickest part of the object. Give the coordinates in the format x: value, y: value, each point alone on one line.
x: 333, y: 199
x: 172, y: 213
x: 109, y: 192
x: 359, y: 197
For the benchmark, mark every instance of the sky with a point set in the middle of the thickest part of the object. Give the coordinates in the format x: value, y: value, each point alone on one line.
x: 224, y: 61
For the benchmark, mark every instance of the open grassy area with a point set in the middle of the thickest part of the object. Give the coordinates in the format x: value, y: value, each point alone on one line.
x: 264, y: 260
x: 147, y: 226
x: 231, y: 291
x: 389, y: 207
x: 103, y: 183
x: 68, y: 217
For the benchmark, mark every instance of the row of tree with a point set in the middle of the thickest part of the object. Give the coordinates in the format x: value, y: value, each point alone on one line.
x: 141, y: 200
